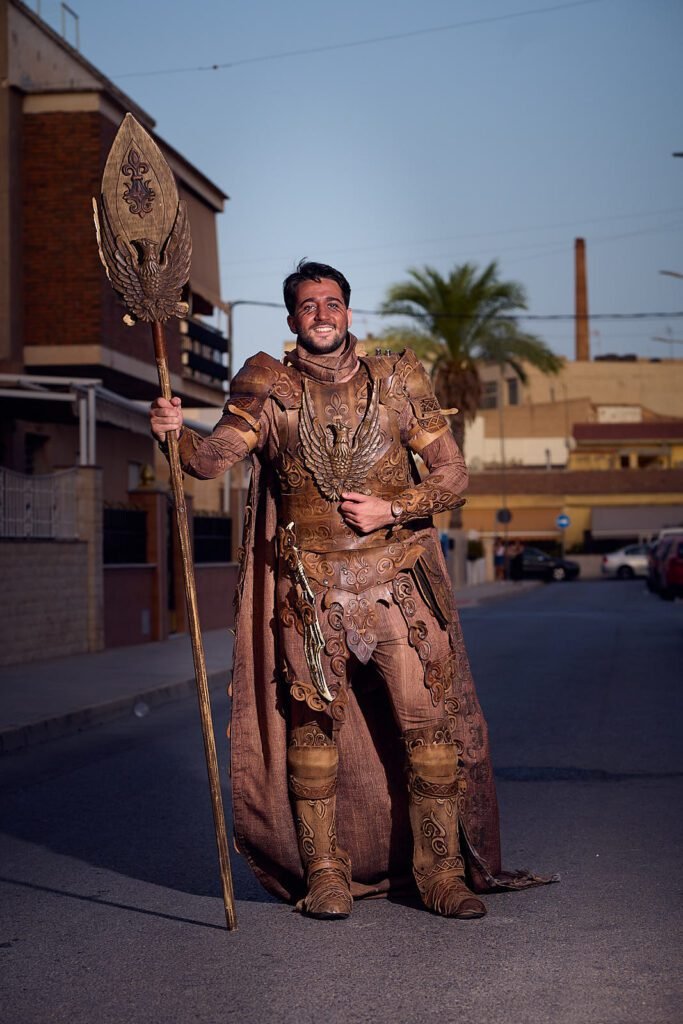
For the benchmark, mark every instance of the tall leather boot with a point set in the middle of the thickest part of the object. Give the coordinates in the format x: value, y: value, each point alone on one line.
x: 312, y: 774
x: 438, y: 866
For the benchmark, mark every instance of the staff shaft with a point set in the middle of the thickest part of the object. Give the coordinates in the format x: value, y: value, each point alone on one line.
x: 196, y: 638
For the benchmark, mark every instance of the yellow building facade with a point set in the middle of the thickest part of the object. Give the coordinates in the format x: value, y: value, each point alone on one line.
x: 602, y: 505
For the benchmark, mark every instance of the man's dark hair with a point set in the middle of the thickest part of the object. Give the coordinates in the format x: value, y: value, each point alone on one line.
x: 308, y: 271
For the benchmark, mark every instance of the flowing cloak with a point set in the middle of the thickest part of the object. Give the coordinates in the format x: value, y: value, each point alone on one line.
x: 372, y: 797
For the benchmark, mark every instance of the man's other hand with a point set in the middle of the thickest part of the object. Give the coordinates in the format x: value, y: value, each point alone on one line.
x: 364, y: 512
x: 165, y: 416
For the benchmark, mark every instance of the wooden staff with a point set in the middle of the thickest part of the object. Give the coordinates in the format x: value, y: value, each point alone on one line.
x: 148, y: 265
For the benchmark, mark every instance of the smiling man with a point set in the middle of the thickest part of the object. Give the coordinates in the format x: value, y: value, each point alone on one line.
x: 349, y: 660
x: 320, y: 317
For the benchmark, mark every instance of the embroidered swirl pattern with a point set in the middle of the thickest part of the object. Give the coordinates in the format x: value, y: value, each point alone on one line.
x: 428, y: 498
x: 433, y: 830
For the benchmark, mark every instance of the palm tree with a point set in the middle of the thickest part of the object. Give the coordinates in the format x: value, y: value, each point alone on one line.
x: 462, y: 321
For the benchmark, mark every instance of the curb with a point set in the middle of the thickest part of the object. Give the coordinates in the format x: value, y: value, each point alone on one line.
x: 15, y: 739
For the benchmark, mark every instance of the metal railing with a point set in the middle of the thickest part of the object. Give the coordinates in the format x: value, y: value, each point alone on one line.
x: 124, y: 536
x: 38, y: 506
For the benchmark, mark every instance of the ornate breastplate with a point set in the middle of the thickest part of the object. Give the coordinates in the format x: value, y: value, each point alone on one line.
x: 342, y: 438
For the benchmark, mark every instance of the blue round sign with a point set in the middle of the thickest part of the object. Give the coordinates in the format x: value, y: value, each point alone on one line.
x: 562, y: 521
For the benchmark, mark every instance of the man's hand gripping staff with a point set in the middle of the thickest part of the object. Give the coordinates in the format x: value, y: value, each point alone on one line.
x: 314, y: 641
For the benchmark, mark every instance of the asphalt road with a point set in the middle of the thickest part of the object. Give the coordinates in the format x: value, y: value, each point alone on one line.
x: 111, y: 909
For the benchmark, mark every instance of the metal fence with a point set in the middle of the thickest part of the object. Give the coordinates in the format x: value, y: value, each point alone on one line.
x: 212, y: 539
x: 38, y: 506
x: 124, y: 536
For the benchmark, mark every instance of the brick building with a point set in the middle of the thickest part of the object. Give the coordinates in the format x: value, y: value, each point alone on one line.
x: 74, y: 380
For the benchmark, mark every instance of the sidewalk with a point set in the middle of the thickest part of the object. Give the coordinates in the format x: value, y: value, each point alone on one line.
x: 43, y: 700
x: 497, y: 590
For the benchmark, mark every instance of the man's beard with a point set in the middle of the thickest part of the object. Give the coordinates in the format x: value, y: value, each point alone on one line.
x: 317, y: 348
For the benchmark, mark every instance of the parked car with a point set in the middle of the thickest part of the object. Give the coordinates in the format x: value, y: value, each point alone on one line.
x: 659, y: 549
x: 671, y: 570
x: 537, y: 565
x: 626, y: 563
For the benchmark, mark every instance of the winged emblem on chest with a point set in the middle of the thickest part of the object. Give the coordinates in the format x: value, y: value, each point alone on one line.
x: 337, y: 461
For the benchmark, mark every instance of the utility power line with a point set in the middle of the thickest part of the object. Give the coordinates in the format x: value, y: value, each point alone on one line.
x: 371, y: 41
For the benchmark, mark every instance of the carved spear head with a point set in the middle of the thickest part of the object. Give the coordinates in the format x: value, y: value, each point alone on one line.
x: 143, y: 233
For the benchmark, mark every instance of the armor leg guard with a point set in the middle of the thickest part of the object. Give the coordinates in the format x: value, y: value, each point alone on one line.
x: 438, y: 866
x: 312, y: 772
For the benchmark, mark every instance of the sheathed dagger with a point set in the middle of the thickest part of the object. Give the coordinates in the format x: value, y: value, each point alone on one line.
x: 314, y: 641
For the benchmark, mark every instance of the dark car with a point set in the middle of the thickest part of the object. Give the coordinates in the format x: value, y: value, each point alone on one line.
x: 537, y: 565
x: 670, y: 570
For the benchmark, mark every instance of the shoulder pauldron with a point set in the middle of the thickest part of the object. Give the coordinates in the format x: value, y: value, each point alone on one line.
x: 404, y: 379
x: 260, y: 378
x: 407, y: 381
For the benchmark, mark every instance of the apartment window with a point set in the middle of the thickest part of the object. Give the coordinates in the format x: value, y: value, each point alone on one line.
x: 513, y: 391
x: 489, y: 395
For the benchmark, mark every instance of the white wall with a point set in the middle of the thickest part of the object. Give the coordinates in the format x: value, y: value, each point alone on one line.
x: 482, y: 451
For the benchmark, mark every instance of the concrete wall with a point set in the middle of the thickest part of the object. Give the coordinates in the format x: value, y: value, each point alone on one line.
x: 44, y: 599
x: 128, y: 599
x: 89, y: 519
x: 116, y: 450
x: 129, y: 595
x: 658, y: 386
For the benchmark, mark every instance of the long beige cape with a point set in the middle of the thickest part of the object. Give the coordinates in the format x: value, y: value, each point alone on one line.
x: 372, y: 814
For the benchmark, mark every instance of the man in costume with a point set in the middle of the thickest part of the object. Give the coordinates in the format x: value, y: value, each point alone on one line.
x: 349, y: 661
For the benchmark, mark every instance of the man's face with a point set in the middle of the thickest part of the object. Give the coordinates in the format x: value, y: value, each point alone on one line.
x: 320, y: 320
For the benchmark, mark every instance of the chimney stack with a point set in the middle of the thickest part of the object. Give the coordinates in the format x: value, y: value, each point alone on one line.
x: 581, y: 310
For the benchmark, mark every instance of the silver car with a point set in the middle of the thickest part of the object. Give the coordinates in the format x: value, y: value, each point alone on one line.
x: 626, y: 562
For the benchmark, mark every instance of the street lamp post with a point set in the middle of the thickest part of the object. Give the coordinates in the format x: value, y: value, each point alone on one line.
x: 503, y: 478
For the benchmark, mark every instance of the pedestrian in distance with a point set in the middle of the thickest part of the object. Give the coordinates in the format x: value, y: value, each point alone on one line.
x: 499, y: 558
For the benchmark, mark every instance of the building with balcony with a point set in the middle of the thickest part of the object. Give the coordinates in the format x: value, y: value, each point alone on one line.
x: 74, y: 379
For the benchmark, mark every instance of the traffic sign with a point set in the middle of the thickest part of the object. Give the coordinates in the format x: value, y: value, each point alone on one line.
x: 503, y: 515
x: 562, y: 521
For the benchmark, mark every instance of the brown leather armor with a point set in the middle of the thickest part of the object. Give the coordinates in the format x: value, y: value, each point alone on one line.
x: 323, y: 429
x: 319, y: 524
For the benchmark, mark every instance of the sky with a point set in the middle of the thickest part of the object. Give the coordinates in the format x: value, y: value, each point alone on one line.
x: 378, y: 135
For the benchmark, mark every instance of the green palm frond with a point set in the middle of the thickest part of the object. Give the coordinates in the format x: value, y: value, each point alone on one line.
x: 461, y: 321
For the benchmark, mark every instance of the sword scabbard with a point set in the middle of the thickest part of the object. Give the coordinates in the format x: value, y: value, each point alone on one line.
x: 314, y: 641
